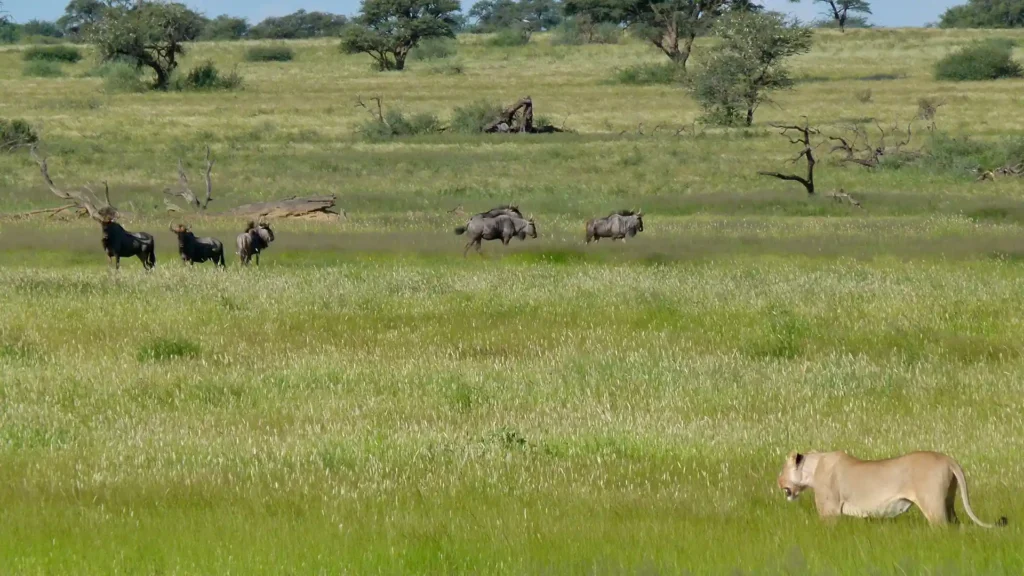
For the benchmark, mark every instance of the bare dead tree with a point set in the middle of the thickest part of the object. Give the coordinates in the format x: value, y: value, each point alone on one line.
x: 803, y: 138
x: 860, y: 149
x: 185, y: 192
x: 928, y: 109
x: 377, y: 115
x: 85, y: 201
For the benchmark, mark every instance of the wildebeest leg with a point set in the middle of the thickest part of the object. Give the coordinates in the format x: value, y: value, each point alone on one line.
x: 117, y: 262
x: 257, y: 258
x: 479, y: 247
x: 466, y: 251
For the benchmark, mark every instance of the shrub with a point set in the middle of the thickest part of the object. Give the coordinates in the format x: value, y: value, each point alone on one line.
x: 449, y: 68
x: 648, y: 74
x: 863, y: 96
x: 574, y: 32
x: 167, y: 349
x: 120, y: 77
x: 272, y: 53
x: 42, y: 69
x: 510, y: 37
x: 434, y: 49
x: 987, y: 60
x: 15, y: 133
x: 473, y: 118
x: 206, y: 77
x: 397, y: 124
x: 58, y: 53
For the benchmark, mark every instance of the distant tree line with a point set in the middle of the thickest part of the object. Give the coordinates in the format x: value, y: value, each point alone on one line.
x: 80, y: 15
x: 985, y: 14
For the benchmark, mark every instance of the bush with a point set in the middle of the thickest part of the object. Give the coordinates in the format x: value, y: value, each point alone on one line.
x: 510, y: 37
x: 963, y: 155
x: 58, y: 53
x: 15, y: 133
x: 649, y: 74
x: 120, y: 77
x: 397, y: 124
x: 206, y: 77
x: 163, y: 349
x: 473, y: 118
x: 42, y: 69
x: 449, y: 68
x: 434, y: 49
x: 987, y: 60
x: 573, y: 32
x: 274, y: 53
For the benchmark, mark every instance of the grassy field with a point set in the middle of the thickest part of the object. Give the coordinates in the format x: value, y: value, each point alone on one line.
x: 367, y: 401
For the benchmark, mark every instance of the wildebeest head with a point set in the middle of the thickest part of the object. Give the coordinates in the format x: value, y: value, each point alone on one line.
x: 530, y: 229
x: 639, y: 220
x: 183, y: 232
x: 264, y: 232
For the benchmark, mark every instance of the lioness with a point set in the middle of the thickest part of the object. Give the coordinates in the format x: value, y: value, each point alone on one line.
x: 844, y: 485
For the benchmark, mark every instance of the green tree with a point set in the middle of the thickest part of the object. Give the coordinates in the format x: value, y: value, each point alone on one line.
x: 670, y: 25
x: 388, y: 29
x: 493, y: 15
x: 985, y: 14
x: 300, y: 24
x: 79, y: 15
x: 839, y: 10
x: 150, y: 33
x: 42, y: 28
x: 225, y: 27
x: 748, y: 65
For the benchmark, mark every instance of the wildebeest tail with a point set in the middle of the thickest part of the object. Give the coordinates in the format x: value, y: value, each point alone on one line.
x: 460, y: 230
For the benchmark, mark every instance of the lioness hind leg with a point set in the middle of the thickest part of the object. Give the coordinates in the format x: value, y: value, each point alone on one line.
x: 935, y: 511
x: 951, y: 504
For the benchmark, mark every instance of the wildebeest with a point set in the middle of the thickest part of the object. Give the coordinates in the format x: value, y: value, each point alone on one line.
x: 502, y: 228
x: 617, y: 226
x: 255, y: 239
x: 119, y: 243
x: 193, y: 249
x: 504, y: 210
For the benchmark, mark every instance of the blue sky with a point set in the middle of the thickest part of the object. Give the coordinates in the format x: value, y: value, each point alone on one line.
x: 886, y: 12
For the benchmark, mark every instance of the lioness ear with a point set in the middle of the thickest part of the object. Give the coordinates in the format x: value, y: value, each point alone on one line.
x: 799, y: 459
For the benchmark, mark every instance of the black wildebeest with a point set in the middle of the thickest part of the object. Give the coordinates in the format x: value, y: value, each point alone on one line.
x: 503, y: 228
x: 617, y: 226
x: 504, y: 210
x: 119, y: 243
x: 193, y: 249
x: 255, y: 239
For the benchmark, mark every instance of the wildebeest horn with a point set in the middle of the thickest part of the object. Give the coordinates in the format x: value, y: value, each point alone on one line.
x: 171, y: 226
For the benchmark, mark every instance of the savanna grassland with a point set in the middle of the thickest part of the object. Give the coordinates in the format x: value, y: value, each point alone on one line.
x: 368, y: 401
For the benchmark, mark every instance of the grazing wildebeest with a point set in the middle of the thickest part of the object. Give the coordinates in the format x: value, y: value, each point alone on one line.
x: 505, y: 210
x: 502, y: 228
x: 255, y: 239
x: 119, y: 243
x: 617, y: 226
x: 193, y: 249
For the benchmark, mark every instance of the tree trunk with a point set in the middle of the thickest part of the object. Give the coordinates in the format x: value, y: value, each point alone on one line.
x: 750, y: 115
x: 163, y: 77
x: 400, y: 60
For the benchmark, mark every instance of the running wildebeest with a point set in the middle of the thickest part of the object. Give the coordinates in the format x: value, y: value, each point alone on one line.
x: 119, y: 243
x: 505, y: 210
x: 503, y: 228
x: 255, y: 239
x: 193, y: 249
x: 617, y: 226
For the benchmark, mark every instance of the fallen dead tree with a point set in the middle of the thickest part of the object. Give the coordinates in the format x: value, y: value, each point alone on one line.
x: 518, y: 118
x: 186, y: 193
x: 311, y: 207
x: 859, y: 148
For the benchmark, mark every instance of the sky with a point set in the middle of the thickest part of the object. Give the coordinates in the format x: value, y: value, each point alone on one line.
x: 894, y: 13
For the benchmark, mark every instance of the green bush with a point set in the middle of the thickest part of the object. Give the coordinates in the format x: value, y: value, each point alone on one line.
x: 163, y: 349
x: 473, y: 118
x: 649, y: 74
x: 206, y: 77
x: 120, y: 77
x: 573, y: 32
x: 510, y: 37
x: 58, y: 53
x: 987, y: 60
x: 397, y: 124
x: 42, y: 69
x: 434, y: 49
x: 271, y: 53
x: 15, y: 133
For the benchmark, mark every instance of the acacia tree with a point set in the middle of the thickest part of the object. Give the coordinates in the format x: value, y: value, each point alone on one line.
x: 388, y: 29
x: 670, y: 25
x: 839, y: 10
x: 985, y: 14
x: 748, y: 64
x: 150, y: 33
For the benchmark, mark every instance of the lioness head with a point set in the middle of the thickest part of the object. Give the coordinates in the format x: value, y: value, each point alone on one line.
x: 791, y: 479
